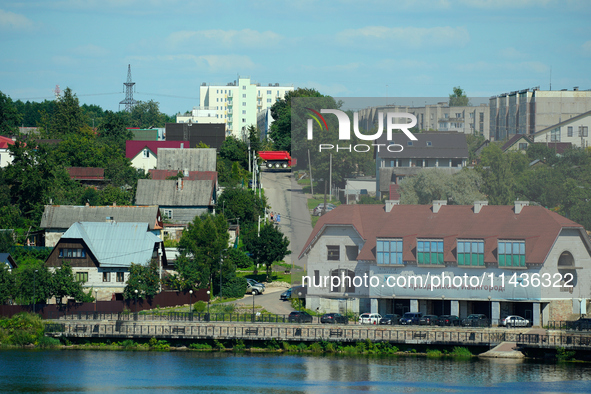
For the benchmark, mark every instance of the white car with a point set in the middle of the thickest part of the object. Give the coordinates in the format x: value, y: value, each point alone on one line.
x: 318, y: 210
x: 370, y: 318
x: 515, y: 321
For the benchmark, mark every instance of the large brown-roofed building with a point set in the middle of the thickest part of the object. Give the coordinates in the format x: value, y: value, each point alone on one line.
x: 438, y: 245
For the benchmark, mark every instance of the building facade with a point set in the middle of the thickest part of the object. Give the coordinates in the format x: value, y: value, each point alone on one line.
x: 238, y: 102
x: 495, y: 260
x: 574, y: 130
x: 529, y: 111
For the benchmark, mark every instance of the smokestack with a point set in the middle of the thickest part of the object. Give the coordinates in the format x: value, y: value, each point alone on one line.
x: 437, y: 204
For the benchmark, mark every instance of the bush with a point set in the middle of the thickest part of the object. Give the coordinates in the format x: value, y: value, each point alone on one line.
x: 200, y: 306
x: 21, y: 329
x: 48, y: 342
x: 461, y: 352
x: 129, y: 344
x: 563, y: 355
x: 234, y: 288
x: 434, y: 353
x: 200, y: 346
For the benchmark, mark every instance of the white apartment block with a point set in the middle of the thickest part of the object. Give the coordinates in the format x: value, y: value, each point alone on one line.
x: 238, y: 102
x: 201, y: 115
x: 530, y: 111
x: 574, y: 130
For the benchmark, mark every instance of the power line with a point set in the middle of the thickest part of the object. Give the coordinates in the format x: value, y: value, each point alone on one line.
x: 168, y: 95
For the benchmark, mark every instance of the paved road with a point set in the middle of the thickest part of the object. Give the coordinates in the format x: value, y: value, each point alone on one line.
x: 269, y: 300
x: 285, y: 196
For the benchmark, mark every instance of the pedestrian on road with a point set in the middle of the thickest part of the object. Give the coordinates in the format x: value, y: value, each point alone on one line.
x: 272, y: 217
x: 278, y: 218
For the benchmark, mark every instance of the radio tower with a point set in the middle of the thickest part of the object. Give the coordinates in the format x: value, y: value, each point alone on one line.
x: 57, y: 92
x: 129, y: 101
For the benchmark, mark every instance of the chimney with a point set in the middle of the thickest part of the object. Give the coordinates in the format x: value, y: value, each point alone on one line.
x: 87, y: 204
x: 576, y: 88
x: 390, y: 204
x: 519, y: 206
x: 114, y: 204
x: 437, y: 204
x: 182, y: 145
x: 478, y: 205
x: 179, y: 184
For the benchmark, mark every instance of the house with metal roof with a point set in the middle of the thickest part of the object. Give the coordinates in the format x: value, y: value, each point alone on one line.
x: 180, y: 200
x: 144, y: 154
x: 7, y: 260
x: 194, y: 159
x: 5, y: 155
x: 102, y: 253
x: 457, y: 259
x: 57, y: 219
x: 403, y: 157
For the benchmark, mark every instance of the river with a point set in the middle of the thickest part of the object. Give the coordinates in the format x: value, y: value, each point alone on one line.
x: 78, y: 371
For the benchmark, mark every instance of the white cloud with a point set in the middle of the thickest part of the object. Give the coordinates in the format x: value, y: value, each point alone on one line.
x: 210, y: 63
x: 10, y: 20
x: 90, y: 50
x: 404, y: 36
x: 586, y: 48
x: 225, y: 38
x: 512, y: 53
x: 528, y: 67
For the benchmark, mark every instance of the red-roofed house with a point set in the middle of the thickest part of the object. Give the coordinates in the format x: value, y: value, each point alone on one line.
x: 495, y: 260
x: 144, y: 154
x: 5, y: 156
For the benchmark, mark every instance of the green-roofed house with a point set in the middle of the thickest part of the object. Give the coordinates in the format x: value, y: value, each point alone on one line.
x: 101, y: 254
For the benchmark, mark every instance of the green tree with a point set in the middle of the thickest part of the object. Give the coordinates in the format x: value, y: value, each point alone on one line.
x: 458, y: 98
x: 143, y: 278
x: 68, y: 118
x: 65, y: 285
x: 271, y: 246
x: 113, y: 128
x: 7, y: 288
x: 243, y: 204
x: 200, y: 248
x: 10, y: 118
x: 461, y: 188
x: 147, y: 115
x: 498, y: 180
x: 254, y: 138
x: 33, y: 283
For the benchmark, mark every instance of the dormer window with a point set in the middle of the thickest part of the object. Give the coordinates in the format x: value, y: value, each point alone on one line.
x: 430, y: 251
x: 389, y: 251
x: 511, y: 253
x: 471, y: 252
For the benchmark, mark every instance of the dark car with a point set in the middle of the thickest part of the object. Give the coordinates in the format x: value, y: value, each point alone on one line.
x: 449, y: 320
x: 334, y: 318
x: 411, y: 318
x: 429, y: 320
x: 391, y: 319
x: 582, y: 324
x: 299, y: 317
x: 476, y: 320
x: 286, y: 295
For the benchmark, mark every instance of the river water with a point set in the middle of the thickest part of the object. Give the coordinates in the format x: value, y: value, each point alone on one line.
x: 78, y: 371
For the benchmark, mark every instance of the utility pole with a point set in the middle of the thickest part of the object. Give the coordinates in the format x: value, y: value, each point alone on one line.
x: 330, y: 177
x: 311, y: 180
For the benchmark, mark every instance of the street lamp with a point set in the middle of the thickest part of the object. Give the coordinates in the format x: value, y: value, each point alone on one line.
x: 580, y: 307
x: 135, y: 291
x: 300, y: 300
x: 490, y: 309
x: 190, y: 294
x: 95, y: 298
x: 208, y: 299
x: 443, y: 304
x: 34, y: 288
x: 346, y: 310
x: 253, y: 293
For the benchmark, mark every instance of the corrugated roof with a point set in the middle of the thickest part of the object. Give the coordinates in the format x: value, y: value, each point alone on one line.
x: 115, y: 244
x: 538, y: 226
x: 169, y: 193
x: 63, y: 216
x: 85, y: 173
x: 193, y: 175
x: 442, y: 146
x: 132, y: 148
x: 194, y: 159
x: 5, y: 142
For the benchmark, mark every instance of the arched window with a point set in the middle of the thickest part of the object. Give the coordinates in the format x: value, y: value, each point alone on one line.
x: 566, y: 268
x: 345, y: 281
x: 566, y: 260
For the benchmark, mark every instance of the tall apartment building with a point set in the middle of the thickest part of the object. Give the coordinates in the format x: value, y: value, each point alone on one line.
x: 529, y: 111
x: 200, y: 115
x: 239, y: 102
x: 439, y: 117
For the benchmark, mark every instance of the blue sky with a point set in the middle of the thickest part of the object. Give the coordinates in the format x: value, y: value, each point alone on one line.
x: 406, y: 48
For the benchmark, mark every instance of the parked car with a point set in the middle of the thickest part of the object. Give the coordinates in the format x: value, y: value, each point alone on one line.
x: 286, y: 295
x: 429, y: 320
x: 476, y: 320
x: 334, y: 318
x: 318, y: 210
x: 370, y: 318
x: 254, y: 286
x: 411, y: 318
x: 299, y: 317
x: 584, y: 323
x: 514, y: 321
x: 449, y: 320
x: 390, y: 319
